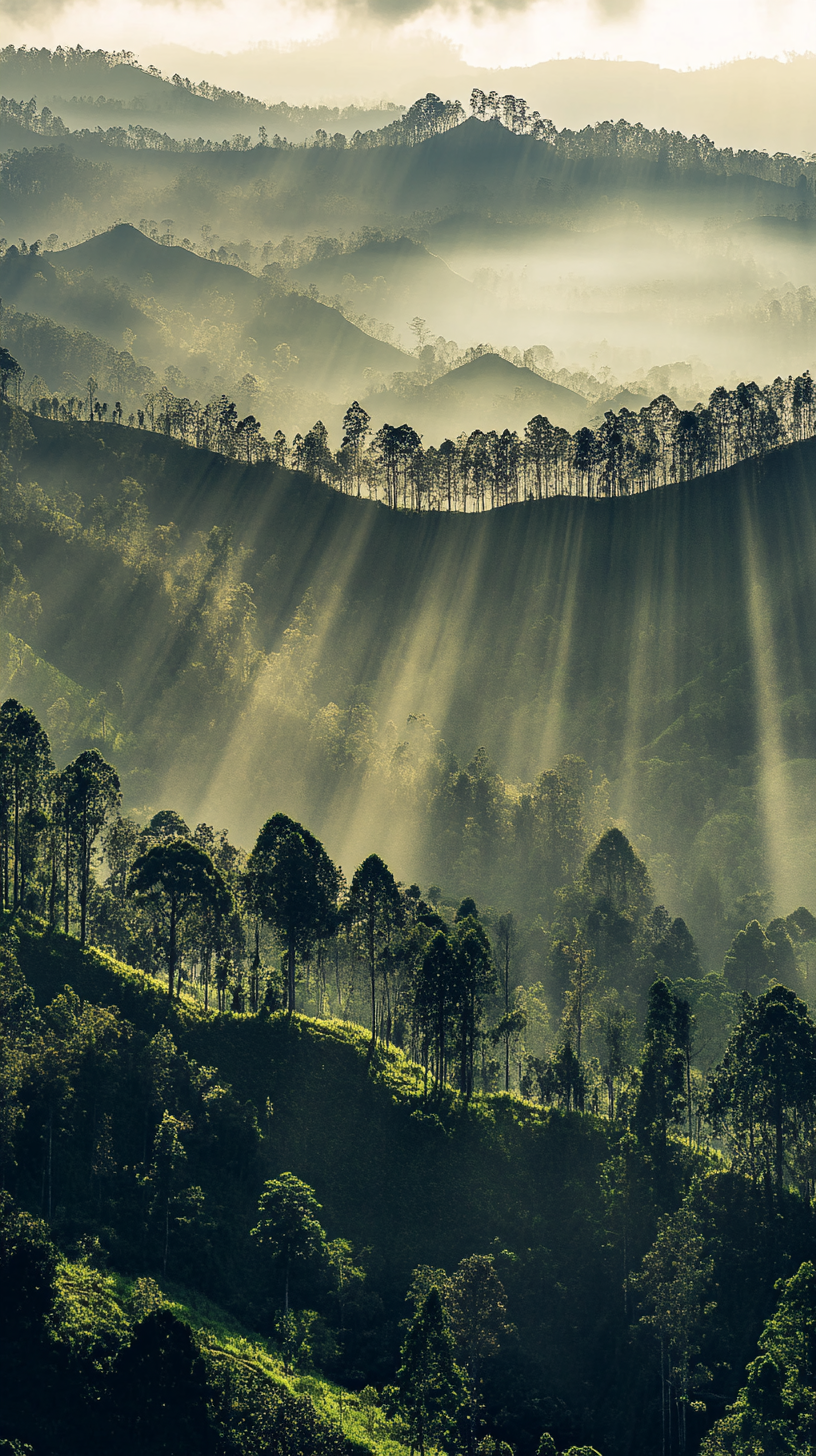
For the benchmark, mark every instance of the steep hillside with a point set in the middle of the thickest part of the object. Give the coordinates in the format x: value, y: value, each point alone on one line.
x: 637, y: 633
x: 408, y: 1178
x: 402, y: 261
x: 107, y: 286
x: 33, y: 284
x: 332, y: 351
x: 125, y: 253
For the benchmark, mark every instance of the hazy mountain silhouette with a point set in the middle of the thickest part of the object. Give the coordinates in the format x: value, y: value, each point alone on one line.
x: 33, y: 284
x: 487, y: 393
x: 175, y: 273
x: 333, y: 350
x: 756, y: 101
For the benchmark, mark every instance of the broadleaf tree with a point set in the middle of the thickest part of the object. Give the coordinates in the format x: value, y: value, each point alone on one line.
x: 292, y: 885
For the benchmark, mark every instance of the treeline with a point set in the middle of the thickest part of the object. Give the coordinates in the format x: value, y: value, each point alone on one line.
x: 605, y: 140
x: 430, y: 116
x: 25, y: 113
x: 280, y: 927
x: 64, y: 59
x: 134, y: 136
x: 627, y: 454
x: 624, y: 139
x: 65, y: 62
x: 323, y: 738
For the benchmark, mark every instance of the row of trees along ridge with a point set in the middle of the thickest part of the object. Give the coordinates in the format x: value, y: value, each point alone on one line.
x: 626, y: 454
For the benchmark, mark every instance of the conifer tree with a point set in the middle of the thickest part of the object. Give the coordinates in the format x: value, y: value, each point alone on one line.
x: 661, y: 1093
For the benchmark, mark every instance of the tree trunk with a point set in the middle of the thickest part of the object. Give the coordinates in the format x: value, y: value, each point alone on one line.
x: 67, y: 874
x: 50, y: 1158
x: 171, y: 959
x: 663, y: 1394
x: 778, y: 1138
x: 52, y: 892
x: 507, y: 1013
x: 290, y: 957
x: 84, y: 879
x: 372, y: 971
x: 16, y: 900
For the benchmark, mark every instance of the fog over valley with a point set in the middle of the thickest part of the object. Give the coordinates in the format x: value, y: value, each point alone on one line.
x: 407, y: 730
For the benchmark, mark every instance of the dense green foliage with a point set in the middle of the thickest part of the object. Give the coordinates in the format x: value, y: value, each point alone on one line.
x: 140, y: 1120
x: 774, y: 1410
x: 123, y: 1129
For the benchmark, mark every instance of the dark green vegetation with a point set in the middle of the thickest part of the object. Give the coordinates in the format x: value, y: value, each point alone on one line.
x: 143, y: 1130
x: 653, y: 1173
x: 280, y: 645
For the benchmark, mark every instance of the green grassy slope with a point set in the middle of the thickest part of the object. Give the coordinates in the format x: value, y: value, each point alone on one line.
x: 411, y: 1181
x: 385, y: 1161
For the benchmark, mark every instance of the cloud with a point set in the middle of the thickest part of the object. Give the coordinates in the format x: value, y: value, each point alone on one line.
x: 394, y: 12
x: 34, y: 13
x: 208, y: 38
x: 389, y: 12
x: 618, y: 9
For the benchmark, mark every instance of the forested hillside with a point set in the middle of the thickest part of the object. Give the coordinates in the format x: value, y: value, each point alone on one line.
x: 91, y: 88
x: 619, y: 1233
x: 407, y: 777
x: 338, y: 659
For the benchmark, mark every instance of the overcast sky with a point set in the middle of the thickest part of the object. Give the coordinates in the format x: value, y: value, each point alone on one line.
x: 674, y: 33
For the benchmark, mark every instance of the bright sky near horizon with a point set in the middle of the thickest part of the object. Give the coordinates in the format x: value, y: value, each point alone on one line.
x: 488, y: 32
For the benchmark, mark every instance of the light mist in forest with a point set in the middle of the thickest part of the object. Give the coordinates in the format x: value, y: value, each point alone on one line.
x: 517, y: 257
